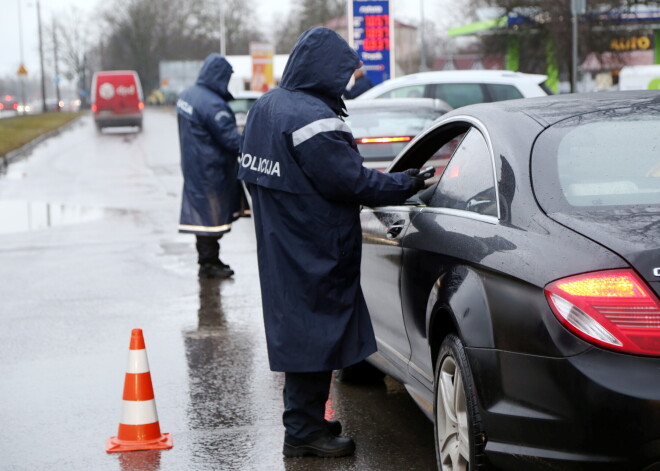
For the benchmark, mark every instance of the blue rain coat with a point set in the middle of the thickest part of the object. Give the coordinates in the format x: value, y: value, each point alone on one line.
x: 209, y: 144
x: 305, y: 175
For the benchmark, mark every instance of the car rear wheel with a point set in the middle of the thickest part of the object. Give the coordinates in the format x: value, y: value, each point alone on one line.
x: 459, y: 435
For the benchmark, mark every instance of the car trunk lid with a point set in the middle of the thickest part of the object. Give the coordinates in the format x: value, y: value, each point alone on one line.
x: 632, y: 232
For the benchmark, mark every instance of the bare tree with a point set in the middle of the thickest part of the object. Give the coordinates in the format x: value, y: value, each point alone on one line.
x: 144, y: 32
x: 303, y: 16
x: 68, y: 40
x: 541, y: 30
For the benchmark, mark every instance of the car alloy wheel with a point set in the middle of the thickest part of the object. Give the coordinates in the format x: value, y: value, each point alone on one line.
x: 459, y: 437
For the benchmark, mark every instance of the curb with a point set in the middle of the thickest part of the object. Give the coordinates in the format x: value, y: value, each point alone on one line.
x: 24, y: 151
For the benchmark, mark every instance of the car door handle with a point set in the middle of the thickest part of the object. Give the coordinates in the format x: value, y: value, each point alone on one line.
x: 395, y: 229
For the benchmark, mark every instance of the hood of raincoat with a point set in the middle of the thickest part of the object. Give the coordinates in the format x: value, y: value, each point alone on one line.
x: 215, y: 74
x: 321, y: 62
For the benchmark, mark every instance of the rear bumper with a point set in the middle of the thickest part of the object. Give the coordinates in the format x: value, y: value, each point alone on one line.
x: 117, y: 120
x: 597, y: 410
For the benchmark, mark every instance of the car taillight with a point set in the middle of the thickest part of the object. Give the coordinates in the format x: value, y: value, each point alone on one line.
x: 383, y: 140
x: 614, y: 309
x: 140, y: 105
x: 14, y: 106
x: 95, y: 108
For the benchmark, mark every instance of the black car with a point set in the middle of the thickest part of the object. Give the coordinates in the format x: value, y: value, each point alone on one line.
x: 517, y: 297
x: 382, y: 128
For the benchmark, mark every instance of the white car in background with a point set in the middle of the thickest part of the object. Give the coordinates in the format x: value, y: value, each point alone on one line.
x: 241, y: 104
x: 462, y: 87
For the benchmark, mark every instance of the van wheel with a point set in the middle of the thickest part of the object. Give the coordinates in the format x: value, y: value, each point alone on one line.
x: 459, y: 435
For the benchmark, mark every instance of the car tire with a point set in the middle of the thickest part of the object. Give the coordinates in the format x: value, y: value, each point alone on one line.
x: 459, y: 435
x: 360, y: 373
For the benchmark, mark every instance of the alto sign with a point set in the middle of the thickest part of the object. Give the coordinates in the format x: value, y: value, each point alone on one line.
x: 631, y: 43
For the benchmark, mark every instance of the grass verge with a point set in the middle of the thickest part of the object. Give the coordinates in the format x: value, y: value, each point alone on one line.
x: 17, y: 131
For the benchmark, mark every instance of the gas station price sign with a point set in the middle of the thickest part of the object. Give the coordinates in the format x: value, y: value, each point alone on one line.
x: 372, y: 36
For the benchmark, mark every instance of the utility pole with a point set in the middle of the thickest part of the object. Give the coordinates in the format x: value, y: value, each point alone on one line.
x: 57, y: 68
x: 578, y: 7
x: 423, y: 67
x: 223, y: 30
x: 20, y: 45
x: 44, y: 108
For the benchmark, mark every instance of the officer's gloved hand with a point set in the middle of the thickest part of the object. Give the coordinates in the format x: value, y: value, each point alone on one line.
x: 418, y: 183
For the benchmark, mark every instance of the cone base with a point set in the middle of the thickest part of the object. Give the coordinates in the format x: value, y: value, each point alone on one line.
x: 115, y: 445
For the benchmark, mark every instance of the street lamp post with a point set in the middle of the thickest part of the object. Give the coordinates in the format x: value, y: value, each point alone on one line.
x: 57, y: 67
x: 20, y: 45
x: 578, y: 7
x: 423, y: 67
x: 44, y: 108
x: 223, y: 30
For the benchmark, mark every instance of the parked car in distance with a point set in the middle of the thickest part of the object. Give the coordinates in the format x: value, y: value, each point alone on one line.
x: 117, y: 99
x: 382, y: 128
x: 517, y: 297
x: 241, y: 104
x: 462, y: 87
x: 8, y: 103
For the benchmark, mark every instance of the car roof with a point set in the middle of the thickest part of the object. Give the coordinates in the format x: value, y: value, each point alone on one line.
x: 494, y: 76
x: 247, y: 94
x: 115, y: 72
x: 403, y: 104
x: 552, y: 109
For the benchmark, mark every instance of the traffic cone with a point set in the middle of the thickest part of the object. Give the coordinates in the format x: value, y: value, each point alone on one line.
x: 138, y: 429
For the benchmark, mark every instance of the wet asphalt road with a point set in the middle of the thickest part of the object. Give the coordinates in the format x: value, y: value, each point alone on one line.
x: 88, y: 251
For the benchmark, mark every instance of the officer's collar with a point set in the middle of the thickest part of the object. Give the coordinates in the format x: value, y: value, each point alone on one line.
x: 336, y: 104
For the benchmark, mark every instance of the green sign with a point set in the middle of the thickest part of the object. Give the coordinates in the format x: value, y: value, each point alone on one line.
x: 654, y: 84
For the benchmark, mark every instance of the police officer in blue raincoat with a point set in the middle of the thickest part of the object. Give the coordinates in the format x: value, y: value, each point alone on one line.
x: 209, y: 140
x: 306, y: 179
x: 361, y: 85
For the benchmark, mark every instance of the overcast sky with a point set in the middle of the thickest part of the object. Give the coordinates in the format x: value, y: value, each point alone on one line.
x: 10, y: 33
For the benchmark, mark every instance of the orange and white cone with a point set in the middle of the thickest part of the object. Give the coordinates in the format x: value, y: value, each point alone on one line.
x: 139, y: 428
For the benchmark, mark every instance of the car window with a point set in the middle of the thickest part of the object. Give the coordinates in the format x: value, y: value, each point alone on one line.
x: 602, y: 159
x: 500, y: 92
x: 459, y: 94
x: 468, y: 182
x: 242, y: 105
x: 411, y: 91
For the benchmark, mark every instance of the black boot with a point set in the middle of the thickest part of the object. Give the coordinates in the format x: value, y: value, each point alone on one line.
x: 214, y: 270
x: 328, y: 446
x: 224, y: 265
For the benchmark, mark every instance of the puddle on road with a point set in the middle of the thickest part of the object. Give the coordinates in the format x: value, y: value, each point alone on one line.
x: 25, y: 216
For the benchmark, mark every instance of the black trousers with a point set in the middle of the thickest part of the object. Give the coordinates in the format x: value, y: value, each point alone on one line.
x: 305, y: 395
x: 208, y: 249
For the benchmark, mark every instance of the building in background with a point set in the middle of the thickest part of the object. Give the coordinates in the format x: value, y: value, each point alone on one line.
x: 177, y: 75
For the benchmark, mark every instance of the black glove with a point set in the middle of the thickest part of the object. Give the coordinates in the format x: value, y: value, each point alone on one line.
x: 417, y: 183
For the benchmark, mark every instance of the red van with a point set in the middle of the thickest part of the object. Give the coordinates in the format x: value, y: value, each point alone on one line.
x: 117, y: 98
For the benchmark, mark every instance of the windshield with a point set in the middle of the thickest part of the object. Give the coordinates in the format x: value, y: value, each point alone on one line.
x: 599, y: 160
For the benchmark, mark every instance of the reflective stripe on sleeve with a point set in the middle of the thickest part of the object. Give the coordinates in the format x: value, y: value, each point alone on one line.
x: 322, y: 125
